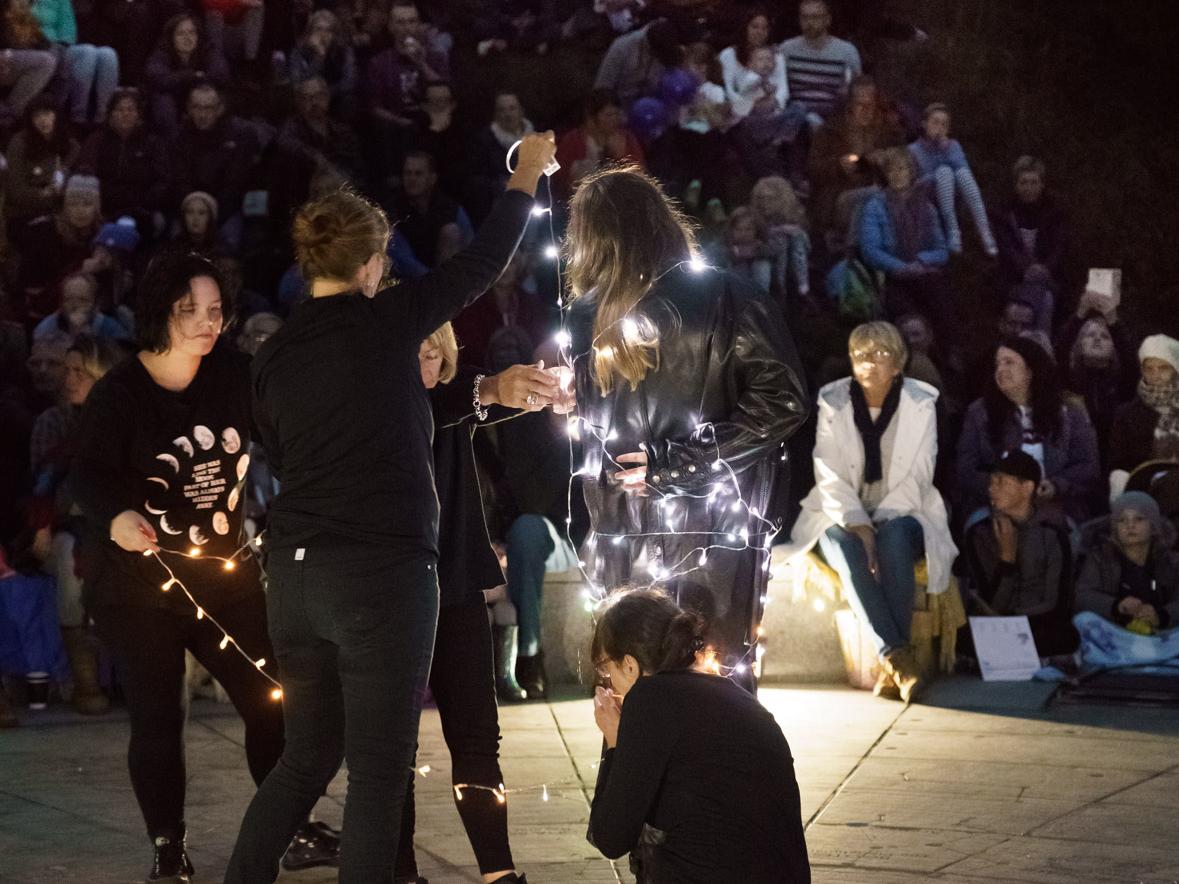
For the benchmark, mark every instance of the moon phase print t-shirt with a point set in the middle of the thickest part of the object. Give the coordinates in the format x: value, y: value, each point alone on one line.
x: 179, y: 459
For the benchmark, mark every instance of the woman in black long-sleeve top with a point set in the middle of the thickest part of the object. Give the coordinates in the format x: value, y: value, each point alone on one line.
x: 461, y: 675
x: 353, y: 537
x: 160, y: 468
x: 697, y: 781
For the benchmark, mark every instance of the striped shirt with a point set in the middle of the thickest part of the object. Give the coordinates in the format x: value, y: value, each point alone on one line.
x: 819, y: 77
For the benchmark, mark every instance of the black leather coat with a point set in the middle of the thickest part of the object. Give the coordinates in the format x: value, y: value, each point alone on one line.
x: 712, y: 417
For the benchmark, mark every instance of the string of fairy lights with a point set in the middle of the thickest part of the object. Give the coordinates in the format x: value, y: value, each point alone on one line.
x: 758, y: 534
x: 228, y: 563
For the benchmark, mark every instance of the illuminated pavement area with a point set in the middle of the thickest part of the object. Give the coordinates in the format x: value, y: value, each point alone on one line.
x: 995, y: 790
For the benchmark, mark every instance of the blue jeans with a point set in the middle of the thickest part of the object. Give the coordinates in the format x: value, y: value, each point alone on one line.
x: 529, y: 546
x: 353, y: 633
x: 93, y: 69
x: 884, y: 601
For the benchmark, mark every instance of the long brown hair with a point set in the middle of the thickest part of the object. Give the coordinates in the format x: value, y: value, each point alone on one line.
x: 624, y: 232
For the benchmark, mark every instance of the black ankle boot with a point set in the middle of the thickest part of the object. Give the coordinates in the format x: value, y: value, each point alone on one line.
x: 171, y: 861
x: 314, y: 844
x: 530, y: 675
x: 506, y: 687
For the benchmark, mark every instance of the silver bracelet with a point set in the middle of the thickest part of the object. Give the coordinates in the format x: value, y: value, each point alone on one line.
x: 480, y: 411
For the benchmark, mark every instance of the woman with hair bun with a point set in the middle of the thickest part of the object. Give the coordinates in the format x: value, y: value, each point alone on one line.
x: 353, y: 539
x: 696, y: 780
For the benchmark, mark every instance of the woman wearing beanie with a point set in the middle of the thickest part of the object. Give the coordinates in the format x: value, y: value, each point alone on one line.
x: 1147, y: 427
x: 56, y: 244
x: 696, y: 780
x: 196, y: 230
x: 1131, y: 577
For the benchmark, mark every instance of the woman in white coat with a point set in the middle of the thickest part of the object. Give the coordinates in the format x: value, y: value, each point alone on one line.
x: 874, y: 511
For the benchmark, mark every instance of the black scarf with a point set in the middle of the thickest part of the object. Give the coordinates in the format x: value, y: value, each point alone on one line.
x: 870, y: 431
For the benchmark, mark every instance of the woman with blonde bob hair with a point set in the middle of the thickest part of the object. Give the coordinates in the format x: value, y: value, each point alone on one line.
x: 874, y: 511
x: 353, y: 539
x: 687, y: 384
x: 460, y: 674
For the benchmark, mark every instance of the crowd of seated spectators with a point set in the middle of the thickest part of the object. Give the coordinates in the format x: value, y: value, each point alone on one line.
x: 133, y: 127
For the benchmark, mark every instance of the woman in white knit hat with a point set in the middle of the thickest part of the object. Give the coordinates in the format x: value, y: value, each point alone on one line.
x: 1147, y: 427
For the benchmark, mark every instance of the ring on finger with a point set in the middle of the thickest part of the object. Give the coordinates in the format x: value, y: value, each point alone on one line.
x: 531, y: 399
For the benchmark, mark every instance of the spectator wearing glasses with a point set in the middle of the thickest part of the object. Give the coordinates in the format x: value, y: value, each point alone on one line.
x: 874, y: 510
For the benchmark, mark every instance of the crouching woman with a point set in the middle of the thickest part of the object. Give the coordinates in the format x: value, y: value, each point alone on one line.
x: 696, y: 781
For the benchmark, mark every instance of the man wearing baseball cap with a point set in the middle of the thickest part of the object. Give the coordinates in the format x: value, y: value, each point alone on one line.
x: 1019, y: 561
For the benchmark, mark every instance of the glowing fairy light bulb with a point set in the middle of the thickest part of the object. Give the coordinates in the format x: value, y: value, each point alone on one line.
x: 617, y: 541
x: 168, y: 584
x: 744, y: 533
x: 258, y: 542
x: 563, y: 339
x: 735, y: 506
x: 276, y: 694
x: 612, y: 435
x: 572, y: 430
x: 697, y: 266
x: 230, y: 565
x: 703, y: 557
x: 740, y: 668
x: 260, y: 662
x: 200, y: 613
x: 194, y: 553
x: 224, y: 643
x: 424, y: 769
x: 147, y: 553
x: 819, y: 605
x: 550, y: 252
x: 539, y: 211
x: 544, y: 792
x: 716, y: 466
x: 458, y: 793
x: 630, y: 329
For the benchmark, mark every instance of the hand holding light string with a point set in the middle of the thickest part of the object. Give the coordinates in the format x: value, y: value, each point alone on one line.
x: 534, y: 155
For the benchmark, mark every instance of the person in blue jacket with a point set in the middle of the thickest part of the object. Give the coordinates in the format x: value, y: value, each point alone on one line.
x: 900, y: 234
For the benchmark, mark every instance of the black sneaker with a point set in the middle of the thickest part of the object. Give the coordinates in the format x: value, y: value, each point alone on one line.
x: 171, y: 862
x: 314, y: 844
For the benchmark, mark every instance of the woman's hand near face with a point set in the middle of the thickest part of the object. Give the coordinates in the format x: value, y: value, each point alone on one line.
x: 607, y: 714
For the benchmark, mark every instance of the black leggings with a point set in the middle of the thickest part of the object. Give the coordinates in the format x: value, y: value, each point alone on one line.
x: 149, y: 646
x: 463, y: 683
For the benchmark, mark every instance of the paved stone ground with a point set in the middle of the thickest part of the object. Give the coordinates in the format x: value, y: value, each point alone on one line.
x: 980, y: 786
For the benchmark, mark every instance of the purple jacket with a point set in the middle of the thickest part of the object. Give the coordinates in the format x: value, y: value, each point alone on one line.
x: 1070, y: 459
x: 395, y: 84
